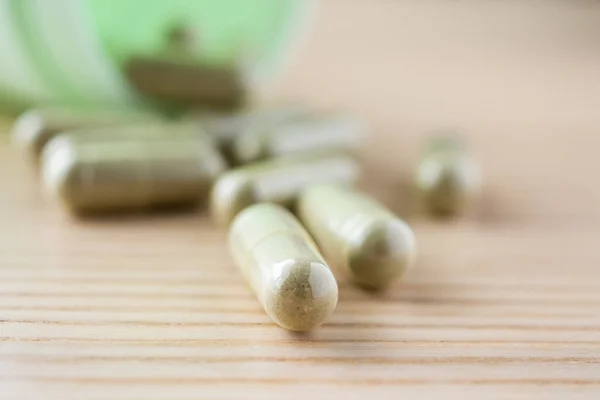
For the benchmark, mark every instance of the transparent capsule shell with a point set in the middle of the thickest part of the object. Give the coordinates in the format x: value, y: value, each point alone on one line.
x: 224, y: 128
x: 34, y: 128
x: 448, y: 180
x: 277, y: 181
x: 92, y: 176
x: 317, y: 133
x: 137, y: 132
x: 283, y: 267
x: 187, y: 83
x: 357, y: 234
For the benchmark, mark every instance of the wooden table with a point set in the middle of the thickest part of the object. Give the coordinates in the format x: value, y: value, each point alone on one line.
x: 503, y: 304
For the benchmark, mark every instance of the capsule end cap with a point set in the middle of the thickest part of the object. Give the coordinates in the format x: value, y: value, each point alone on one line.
x: 303, y: 296
x: 384, y: 254
x: 231, y: 194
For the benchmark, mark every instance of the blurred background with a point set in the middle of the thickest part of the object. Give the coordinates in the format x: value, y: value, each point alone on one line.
x: 521, y: 61
x: 518, y: 78
x: 435, y: 60
x: 489, y: 69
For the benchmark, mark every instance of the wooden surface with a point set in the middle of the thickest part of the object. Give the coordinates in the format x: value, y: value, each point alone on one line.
x: 504, y: 304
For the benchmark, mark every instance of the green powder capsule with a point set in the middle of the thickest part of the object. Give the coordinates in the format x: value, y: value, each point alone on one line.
x: 357, y: 234
x: 187, y: 84
x: 301, y: 135
x: 277, y: 181
x: 36, y: 127
x: 92, y: 176
x: 135, y: 131
x: 225, y: 128
x: 283, y: 267
x: 448, y: 179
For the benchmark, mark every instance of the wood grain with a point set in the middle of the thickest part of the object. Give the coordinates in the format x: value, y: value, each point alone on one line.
x: 504, y: 304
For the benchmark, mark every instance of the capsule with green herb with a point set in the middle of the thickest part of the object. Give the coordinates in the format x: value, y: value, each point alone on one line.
x: 357, y: 234
x: 184, y: 82
x: 448, y: 179
x: 36, y: 127
x: 331, y: 132
x: 94, y: 176
x: 277, y: 181
x: 226, y: 127
x: 283, y: 267
x: 137, y: 131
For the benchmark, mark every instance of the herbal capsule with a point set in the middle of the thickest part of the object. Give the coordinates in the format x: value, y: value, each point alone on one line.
x: 302, y: 135
x: 91, y: 176
x: 283, y: 267
x: 139, y: 131
x: 277, y: 181
x: 357, y: 234
x: 226, y: 127
x: 36, y: 127
x: 186, y: 83
x: 448, y: 179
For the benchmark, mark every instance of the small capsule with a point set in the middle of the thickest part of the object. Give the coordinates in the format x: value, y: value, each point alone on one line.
x: 448, y: 179
x: 36, y: 127
x: 138, y: 131
x: 283, y: 267
x: 357, y: 234
x: 93, y: 176
x: 300, y: 135
x: 226, y: 127
x: 277, y: 181
x: 187, y: 84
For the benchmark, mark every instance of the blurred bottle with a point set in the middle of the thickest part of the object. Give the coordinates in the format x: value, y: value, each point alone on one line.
x: 76, y: 51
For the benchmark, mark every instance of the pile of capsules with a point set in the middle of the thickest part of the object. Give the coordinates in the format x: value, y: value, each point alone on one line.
x: 280, y: 178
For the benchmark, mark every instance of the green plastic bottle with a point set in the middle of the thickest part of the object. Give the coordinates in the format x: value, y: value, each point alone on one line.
x: 73, y: 51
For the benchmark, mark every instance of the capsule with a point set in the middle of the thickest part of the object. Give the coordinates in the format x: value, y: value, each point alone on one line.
x: 357, y: 234
x: 283, y: 267
x: 448, y: 179
x: 300, y: 135
x: 138, y: 131
x: 277, y: 181
x: 94, y: 176
x: 226, y: 127
x: 36, y: 127
x: 187, y: 84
